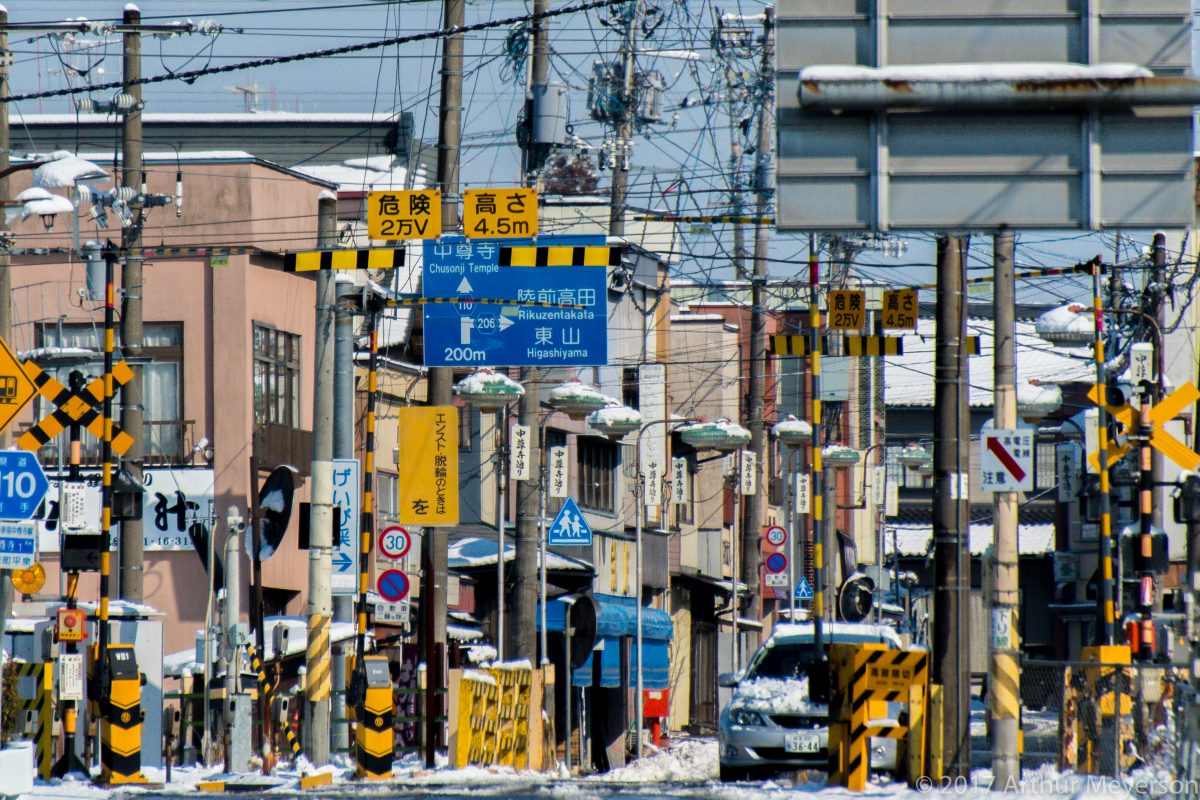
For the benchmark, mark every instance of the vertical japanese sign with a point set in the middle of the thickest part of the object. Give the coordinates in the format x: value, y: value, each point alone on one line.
x: 749, y: 476
x: 652, y: 403
x: 558, y: 473
x: 405, y: 215
x: 428, y: 465
x: 500, y: 213
x: 347, y: 498
x: 518, y: 453
x: 803, y: 493
x: 681, y: 489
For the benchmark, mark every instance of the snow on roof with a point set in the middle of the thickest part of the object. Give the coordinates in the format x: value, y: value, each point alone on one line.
x: 355, y: 175
x: 1015, y: 71
x: 297, y: 628
x: 214, y: 119
x: 908, y: 379
x: 472, y: 551
x: 917, y: 540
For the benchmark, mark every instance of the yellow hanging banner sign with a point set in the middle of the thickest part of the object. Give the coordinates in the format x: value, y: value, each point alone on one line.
x: 428, y: 465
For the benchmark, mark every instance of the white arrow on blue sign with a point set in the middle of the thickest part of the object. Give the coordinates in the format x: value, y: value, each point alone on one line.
x: 347, y: 495
x: 569, y: 527
x: 23, y: 484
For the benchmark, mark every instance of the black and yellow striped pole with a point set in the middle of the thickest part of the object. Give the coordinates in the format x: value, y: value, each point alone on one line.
x: 814, y: 416
x: 1106, y: 627
x: 371, y: 685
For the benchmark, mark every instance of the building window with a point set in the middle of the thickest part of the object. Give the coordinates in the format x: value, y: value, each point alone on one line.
x: 597, y: 474
x: 629, y: 387
x: 165, y: 433
x: 388, y: 496
x: 1045, y: 466
x: 276, y: 376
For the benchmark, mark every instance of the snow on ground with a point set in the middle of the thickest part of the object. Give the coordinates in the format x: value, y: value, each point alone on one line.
x: 685, y: 760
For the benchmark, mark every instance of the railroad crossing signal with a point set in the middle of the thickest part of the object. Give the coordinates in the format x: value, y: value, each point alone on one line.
x: 405, y: 215
x: 85, y: 408
x: 372, y: 258
x: 16, y: 390
x: 1163, y: 412
x: 500, y: 213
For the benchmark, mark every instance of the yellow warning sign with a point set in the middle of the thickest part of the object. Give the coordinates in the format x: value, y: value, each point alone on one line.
x: 900, y: 309
x: 16, y: 390
x: 29, y: 580
x: 405, y: 215
x: 428, y: 465
x: 847, y: 309
x: 500, y: 213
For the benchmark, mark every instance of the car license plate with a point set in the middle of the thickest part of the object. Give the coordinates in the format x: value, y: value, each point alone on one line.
x: 801, y: 743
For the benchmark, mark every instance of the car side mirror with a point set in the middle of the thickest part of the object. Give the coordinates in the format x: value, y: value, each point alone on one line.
x: 728, y: 679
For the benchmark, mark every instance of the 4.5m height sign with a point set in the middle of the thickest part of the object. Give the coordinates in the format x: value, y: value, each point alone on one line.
x: 517, y: 304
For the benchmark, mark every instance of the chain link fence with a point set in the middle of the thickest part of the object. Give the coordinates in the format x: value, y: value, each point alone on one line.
x: 1106, y: 719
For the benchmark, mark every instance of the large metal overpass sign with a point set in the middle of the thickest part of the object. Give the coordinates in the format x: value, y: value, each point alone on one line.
x: 971, y: 114
x: 571, y: 271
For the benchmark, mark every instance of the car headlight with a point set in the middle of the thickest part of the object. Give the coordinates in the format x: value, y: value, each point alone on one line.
x: 746, y: 717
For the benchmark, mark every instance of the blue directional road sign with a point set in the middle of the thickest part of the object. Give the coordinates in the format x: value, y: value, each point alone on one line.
x: 23, y: 485
x: 347, y: 496
x: 803, y: 590
x: 17, y: 544
x: 569, y: 527
x: 472, y: 334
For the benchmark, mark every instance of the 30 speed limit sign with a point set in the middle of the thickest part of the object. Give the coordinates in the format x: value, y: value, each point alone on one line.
x: 394, y: 542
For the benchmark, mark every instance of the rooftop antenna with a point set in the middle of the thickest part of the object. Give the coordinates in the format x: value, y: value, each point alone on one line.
x: 249, y: 95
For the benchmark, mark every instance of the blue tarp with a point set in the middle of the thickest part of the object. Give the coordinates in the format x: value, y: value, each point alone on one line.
x: 618, y: 618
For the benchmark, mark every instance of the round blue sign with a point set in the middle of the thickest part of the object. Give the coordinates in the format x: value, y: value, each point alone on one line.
x: 392, y: 585
x: 776, y: 562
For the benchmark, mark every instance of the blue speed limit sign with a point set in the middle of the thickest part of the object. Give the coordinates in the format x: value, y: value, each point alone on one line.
x: 394, y: 542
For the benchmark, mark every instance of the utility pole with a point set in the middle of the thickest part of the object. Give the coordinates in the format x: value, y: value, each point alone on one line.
x: 951, y: 556
x: 816, y: 488
x: 320, y: 554
x: 435, y: 541
x: 619, y: 191
x: 132, y: 292
x: 1004, y: 679
x: 751, y: 552
x: 1158, y: 274
x: 343, y: 447
x: 523, y: 638
x: 6, y: 587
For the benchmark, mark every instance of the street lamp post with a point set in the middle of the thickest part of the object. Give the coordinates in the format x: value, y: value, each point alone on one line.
x: 833, y: 458
x: 488, y: 390
x: 793, y: 433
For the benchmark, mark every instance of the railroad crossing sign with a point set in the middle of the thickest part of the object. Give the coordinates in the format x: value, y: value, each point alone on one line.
x: 1166, y: 410
x: 405, y: 215
x: 85, y: 407
x: 1006, y: 460
x: 16, y: 390
x: 23, y: 485
x: 500, y: 213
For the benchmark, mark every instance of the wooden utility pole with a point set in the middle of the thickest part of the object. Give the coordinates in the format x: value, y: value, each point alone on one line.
x: 951, y: 555
x: 619, y: 191
x: 1004, y: 678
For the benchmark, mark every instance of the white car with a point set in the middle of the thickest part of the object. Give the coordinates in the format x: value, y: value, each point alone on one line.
x: 771, y: 724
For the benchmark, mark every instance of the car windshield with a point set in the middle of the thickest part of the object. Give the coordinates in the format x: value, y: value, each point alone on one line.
x: 781, y: 661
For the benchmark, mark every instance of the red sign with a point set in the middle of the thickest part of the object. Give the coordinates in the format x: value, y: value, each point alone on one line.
x: 394, y: 542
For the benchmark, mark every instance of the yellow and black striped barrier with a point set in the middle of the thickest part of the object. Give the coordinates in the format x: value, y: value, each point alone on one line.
x: 560, y: 256
x: 268, y: 693
x: 38, y: 708
x: 783, y: 344
x: 84, y: 408
x: 374, y: 737
x: 316, y: 260
x: 121, y: 719
x: 402, y: 302
x: 866, y: 678
x: 1049, y: 272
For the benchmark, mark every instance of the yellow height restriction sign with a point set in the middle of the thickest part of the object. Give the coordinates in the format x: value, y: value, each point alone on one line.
x: 500, y: 213
x: 847, y: 309
x: 405, y: 215
x: 428, y: 465
x: 16, y: 389
x: 900, y: 309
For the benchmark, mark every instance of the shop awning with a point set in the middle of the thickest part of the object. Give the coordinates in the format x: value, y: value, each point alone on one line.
x: 617, y: 618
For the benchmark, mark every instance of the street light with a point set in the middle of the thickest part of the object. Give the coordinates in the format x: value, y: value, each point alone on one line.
x: 725, y: 436
x: 577, y: 399
x: 489, y: 390
x: 1067, y: 325
x: 1036, y: 400
x: 793, y: 433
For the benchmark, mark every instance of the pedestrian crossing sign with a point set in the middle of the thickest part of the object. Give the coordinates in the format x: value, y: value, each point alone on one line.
x: 803, y: 590
x: 569, y: 527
